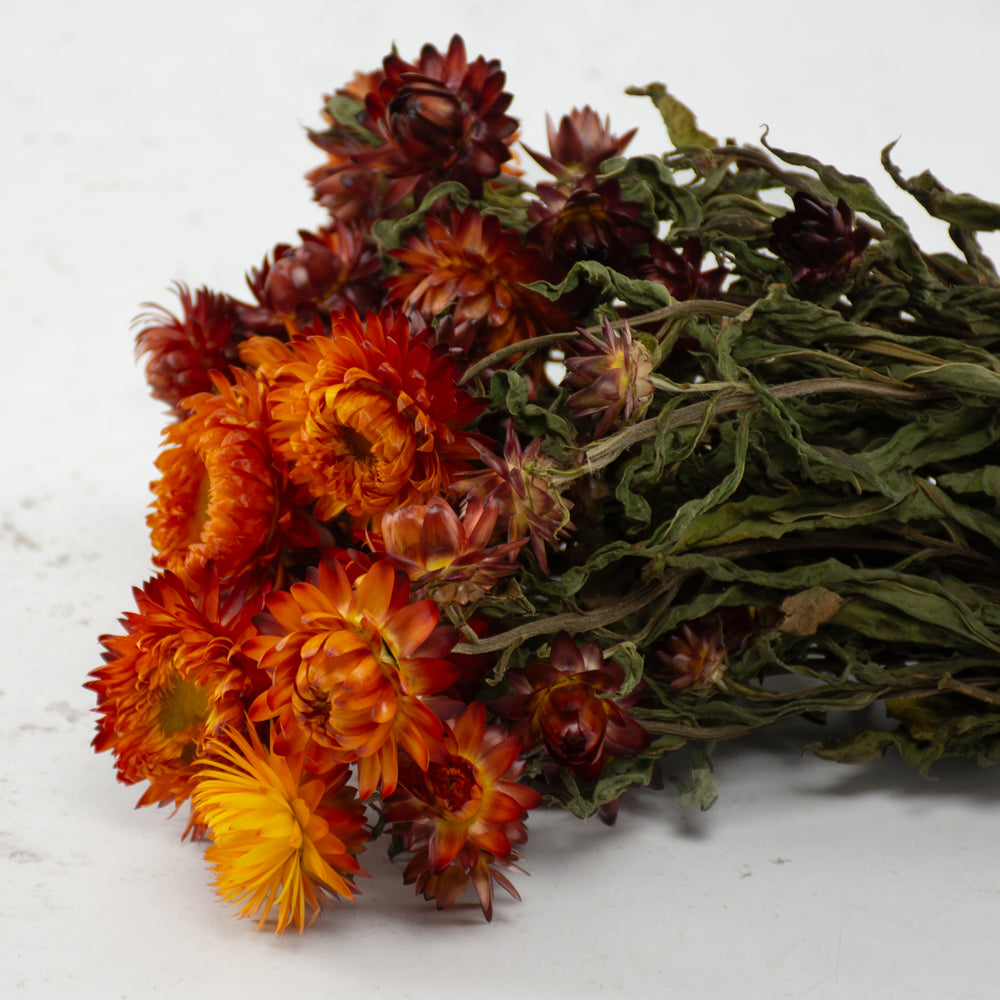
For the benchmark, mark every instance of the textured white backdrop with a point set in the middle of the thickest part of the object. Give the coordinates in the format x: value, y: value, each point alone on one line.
x: 141, y: 144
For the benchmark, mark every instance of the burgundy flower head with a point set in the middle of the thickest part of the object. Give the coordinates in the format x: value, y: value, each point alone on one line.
x: 580, y: 145
x: 441, y: 118
x: 565, y: 704
x: 818, y: 241
x: 680, y: 272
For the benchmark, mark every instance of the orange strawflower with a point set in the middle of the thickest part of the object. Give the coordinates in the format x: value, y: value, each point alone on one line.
x: 349, y: 663
x: 279, y: 837
x: 466, y: 807
x: 447, y: 557
x: 174, y: 680
x: 371, y: 417
x: 223, y: 495
x: 475, y: 265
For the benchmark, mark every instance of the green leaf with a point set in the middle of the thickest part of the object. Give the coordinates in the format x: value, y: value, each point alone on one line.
x: 979, y: 480
x: 509, y: 391
x: 631, y: 661
x: 931, y: 728
x: 962, y: 210
x: 609, y: 283
x: 618, y: 775
x: 916, y: 610
x: 389, y: 232
x: 343, y: 112
x: 682, y: 126
x: 961, y: 376
x: 867, y: 747
x: 704, y: 788
x: 649, y: 181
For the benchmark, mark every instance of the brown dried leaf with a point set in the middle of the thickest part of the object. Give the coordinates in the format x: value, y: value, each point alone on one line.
x: 808, y: 609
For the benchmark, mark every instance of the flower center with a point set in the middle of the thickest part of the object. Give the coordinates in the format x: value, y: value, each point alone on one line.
x: 184, y: 710
x: 455, y: 786
x: 356, y: 445
x: 573, y: 720
x: 368, y: 431
x: 428, y: 122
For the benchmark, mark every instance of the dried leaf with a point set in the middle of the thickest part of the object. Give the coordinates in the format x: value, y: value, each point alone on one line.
x: 963, y: 210
x: 805, y: 611
x: 682, y: 126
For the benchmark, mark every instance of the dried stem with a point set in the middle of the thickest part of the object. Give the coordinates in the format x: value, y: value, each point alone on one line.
x: 739, y: 397
x: 571, y: 622
x: 677, y: 310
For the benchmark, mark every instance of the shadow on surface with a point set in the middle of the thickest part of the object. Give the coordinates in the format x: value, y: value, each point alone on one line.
x: 782, y: 746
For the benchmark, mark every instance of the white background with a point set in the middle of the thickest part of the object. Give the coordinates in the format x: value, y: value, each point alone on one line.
x: 141, y: 144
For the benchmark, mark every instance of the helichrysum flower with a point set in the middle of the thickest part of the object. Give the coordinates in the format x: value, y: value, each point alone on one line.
x: 471, y: 866
x: 223, y: 496
x: 521, y: 482
x: 441, y: 118
x: 183, y: 350
x: 470, y: 263
x: 680, y: 272
x: 174, y: 680
x: 464, y: 809
x: 330, y: 270
x: 565, y: 703
x: 611, y: 379
x: 694, y: 658
x: 350, y: 663
x: 590, y: 221
x: 447, y: 557
x: 818, y: 241
x: 280, y: 837
x: 580, y: 145
x: 352, y: 192
x: 370, y: 418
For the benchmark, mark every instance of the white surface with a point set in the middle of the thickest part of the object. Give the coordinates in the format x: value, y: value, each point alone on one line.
x: 142, y: 145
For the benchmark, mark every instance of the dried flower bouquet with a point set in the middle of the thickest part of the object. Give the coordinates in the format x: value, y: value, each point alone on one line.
x: 495, y: 493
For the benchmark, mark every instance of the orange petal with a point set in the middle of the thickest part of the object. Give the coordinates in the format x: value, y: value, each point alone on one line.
x: 446, y: 841
x: 410, y: 627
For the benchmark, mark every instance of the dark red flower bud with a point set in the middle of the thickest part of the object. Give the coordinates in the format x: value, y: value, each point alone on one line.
x: 303, y: 275
x: 681, y: 273
x: 580, y: 145
x: 182, y: 350
x: 428, y: 121
x: 349, y: 191
x: 574, y: 725
x: 564, y: 703
x: 441, y: 118
x: 589, y: 222
x: 818, y: 241
x: 330, y: 270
